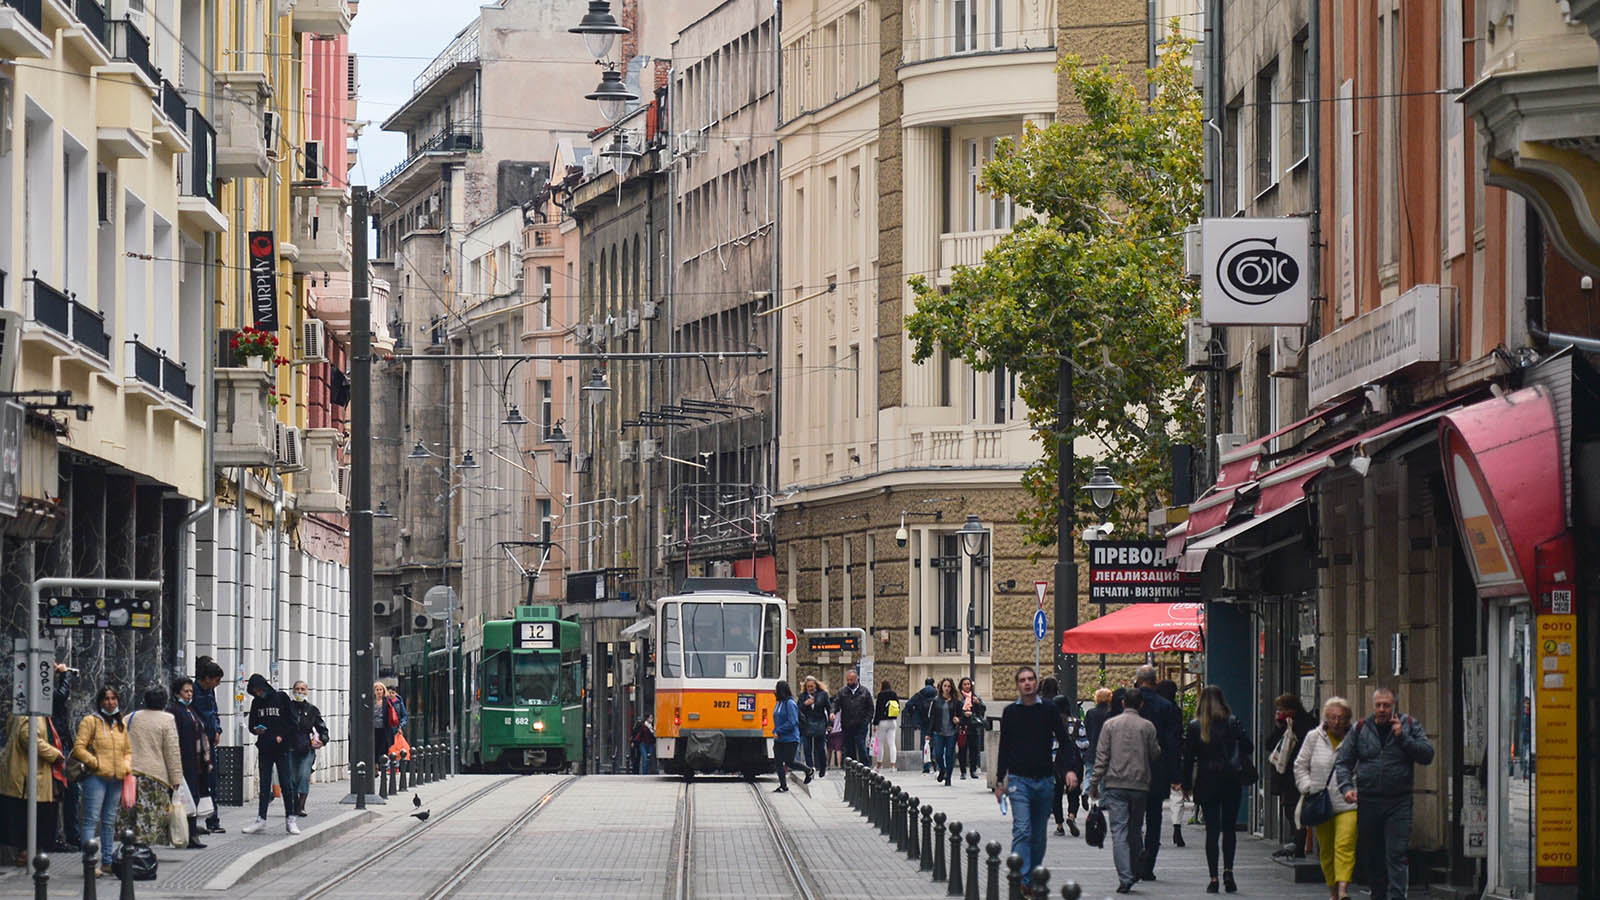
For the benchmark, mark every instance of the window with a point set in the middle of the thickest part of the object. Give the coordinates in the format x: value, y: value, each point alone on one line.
x: 855, y: 379
x: 1233, y: 156
x: 541, y: 511
x: 941, y: 378
x: 671, y: 642
x: 545, y: 420
x: 951, y: 616
x: 1005, y: 387
x: 1388, y: 145
x: 1264, y: 391
x: 536, y: 677
x: 542, y: 277
x: 1300, y: 118
x: 721, y: 640
x: 1267, y: 167
x: 998, y: 24
x: 963, y: 25
x: 772, y: 642
x: 1002, y: 209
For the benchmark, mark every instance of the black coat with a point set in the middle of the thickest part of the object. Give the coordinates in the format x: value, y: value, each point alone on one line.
x: 855, y: 707
x: 1164, y: 714
x: 1093, y: 720
x: 813, y: 718
x: 193, y: 742
x: 310, y: 722
x: 919, y: 706
x: 972, y: 723
x: 272, y: 718
x: 1283, y: 782
x: 881, y: 711
x: 1207, y: 772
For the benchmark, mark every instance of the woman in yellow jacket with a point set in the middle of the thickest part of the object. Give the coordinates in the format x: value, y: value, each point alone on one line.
x: 103, y: 747
x: 14, y: 784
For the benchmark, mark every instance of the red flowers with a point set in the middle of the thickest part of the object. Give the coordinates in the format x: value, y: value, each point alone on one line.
x: 253, y: 343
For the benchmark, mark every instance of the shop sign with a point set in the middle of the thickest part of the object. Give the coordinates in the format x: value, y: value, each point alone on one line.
x: 1556, y: 743
x: 1396, y: 335
x: 97, y: 613
x: 1255, y: 271
x: 264, y: 279
x: 1138, y: 572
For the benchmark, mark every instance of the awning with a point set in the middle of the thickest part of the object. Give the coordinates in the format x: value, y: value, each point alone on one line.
x: 1141, y: 628
x: 637, y: 629
x: 1194, y: 556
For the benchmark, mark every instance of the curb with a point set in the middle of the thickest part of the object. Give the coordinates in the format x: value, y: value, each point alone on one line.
x: 275, y: 854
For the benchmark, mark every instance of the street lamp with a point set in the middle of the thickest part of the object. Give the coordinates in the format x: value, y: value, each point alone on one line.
x: 468, y: 461
x: 612, y: 94
x: 382, y: 512
x: 621, y: 155
x: 418, y: 452
x: 972, y: 536
x: 560, y: 444
x: 514, y: 417
x: 1102, y: 487
x: 596, y: 390
x: 599, y: 28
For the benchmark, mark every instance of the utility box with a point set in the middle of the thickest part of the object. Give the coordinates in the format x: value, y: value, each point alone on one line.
x: 230, y: 776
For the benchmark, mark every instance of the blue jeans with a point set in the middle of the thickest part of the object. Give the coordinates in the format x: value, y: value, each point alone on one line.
x: 1031, y: 801
x: 944, y: 754
x: 301, y: 765
x: 286, y: 781
x: 647, y: 754
x: 98, y: 804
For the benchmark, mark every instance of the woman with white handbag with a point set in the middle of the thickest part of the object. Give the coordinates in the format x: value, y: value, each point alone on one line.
x: 1291, y: 724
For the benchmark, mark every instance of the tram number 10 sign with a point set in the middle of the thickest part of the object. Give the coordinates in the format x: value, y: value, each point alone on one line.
x: 833, y: 643
x: 536, y: 636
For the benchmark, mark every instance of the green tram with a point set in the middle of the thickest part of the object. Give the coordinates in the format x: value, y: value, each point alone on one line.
x: 519, y: 693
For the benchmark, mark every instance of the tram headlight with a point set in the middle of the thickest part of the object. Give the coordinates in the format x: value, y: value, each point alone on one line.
x: 538, y: 726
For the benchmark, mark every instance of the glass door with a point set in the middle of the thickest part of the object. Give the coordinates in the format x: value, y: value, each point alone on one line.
x: 1511, y: 760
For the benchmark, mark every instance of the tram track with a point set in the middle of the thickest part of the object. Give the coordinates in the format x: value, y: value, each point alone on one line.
x: 780, y: 837
x: 464, y: 871
x: 683, y: 881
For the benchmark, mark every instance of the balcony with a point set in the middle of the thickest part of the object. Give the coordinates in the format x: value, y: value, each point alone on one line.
x: 448, y: 71
x: 317, y: 222
x: 22, y: 30
x: 89, y: 330
x: 965, y: 248
x: 155, y: 378
x: 1537, y: 101
x: 129, y: 45
x: 242, y: 130
x: 175, y: 381
x: 197, y: 178
x: 452, y: 140
x: 322, y: 17
x: 246, y: 427
x: 172, y: 126
x: 91, y: 35
x: 989, y: 27
x: 319, y: 488
x: 70, y: 329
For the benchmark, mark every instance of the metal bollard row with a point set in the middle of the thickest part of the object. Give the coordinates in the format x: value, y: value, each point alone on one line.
x: 926, y: 863
x: 954, y: 890
x: 913, y: 805
x: 91, y: 862
x: 127, y: 865
x: 1014, y: 877
x: 382, y: 773
x: 938, y: 846
x: 972, y: 866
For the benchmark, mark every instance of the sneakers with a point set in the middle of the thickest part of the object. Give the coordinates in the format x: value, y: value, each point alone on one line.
x: 255, y: 827
x: 1072, y: 825
x: 290, y: 826
x: 1061, y: 830
x: 809, y: 773
x: 963, y: 774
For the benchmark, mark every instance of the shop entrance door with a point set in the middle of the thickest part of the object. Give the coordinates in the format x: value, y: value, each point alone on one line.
x: 1511, y: 771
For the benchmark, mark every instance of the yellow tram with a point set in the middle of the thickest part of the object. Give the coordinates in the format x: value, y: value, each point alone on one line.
x: 719, y: 652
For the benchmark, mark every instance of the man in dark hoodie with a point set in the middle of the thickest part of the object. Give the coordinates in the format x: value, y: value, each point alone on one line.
x: 917, y: 710
x: 207, y: 675
x: 275, y: 724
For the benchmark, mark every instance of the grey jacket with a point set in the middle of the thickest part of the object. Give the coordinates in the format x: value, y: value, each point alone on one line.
x: 1126, y: 753
x: 1378, y: 763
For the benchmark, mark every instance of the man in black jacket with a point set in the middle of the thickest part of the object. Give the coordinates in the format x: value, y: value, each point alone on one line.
x: 1026, y: 767
x: 1162, y: 713
x: 917, y: 709
x: 855, y: 716
x: 1373, y: 769
x: 276, y: 725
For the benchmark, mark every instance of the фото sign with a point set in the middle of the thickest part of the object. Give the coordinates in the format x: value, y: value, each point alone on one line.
x: 264, y: 279
x: 1401, y: 333
x: 1255, y: 271
x: 1138, y: 572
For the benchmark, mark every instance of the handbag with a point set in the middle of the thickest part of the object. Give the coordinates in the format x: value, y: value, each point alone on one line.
x: 1283, y: 754
x: 927, y: 751
x: 1316, y: 807
x: 204, y: 808
x: 1094, y: 829
x: 1239, y: 763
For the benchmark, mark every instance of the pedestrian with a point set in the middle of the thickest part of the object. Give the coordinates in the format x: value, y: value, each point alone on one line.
x: 835, y: 737
x: 272, y: 721
x: 1066, y: 710
x: 14, y: 784
x: 1033, y: 748
x: 917, y: 711
x: 1178, y: 806
x: 1291, y: 723
x: 1164, y: 715
x: 1313, y: 773
x: 813, y: 703
x: 157, y: 769
x: 194, y: 748
x: 1126, y: 756
x: 643, y: 742
x: 311, y: 735
x: 1215, y: 774
x: 207, y: 676
x: 855, y: 717
x: 1374, y: 770
x: 385, y: 720
x: 786, y: 735
x: 66, y: 790
x: 102, y: 746
x: 1093, y: 720
x: 944, y: 714
x: 886, y: 721
x: 969, y: 733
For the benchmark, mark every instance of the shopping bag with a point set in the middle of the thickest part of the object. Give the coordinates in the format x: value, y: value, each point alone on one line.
x: 400, y: 747
x: 874, y: 748
x: 177, y: 823
x: 204, y: 808
x: 184, y: 795
x: 130, y: 790
x: 1094, y: 830
x: 927, y: 752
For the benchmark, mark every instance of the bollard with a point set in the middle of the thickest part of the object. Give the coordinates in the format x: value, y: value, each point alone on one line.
x: 912, y: 849
x: 938, y: 846
x: 394, y: 764
x: 41, y: 877
x: 897, y: 798
x: 882, y: 805
x: 927, y: 837
x: 433, y: 763
x: 1014, y: 877
x: 407, y: 779
x: 91, y: 862
x: 972, y: 865
x: 954, y: 890
x: 849, y: 785
x: 1041, y: 883
x: 381, y: 770
x: 992, y: 891
x: 1071, y: 891
x: 127, y: 865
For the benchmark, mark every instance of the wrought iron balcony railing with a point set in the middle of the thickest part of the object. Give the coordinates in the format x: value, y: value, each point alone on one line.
x: 129, y: 44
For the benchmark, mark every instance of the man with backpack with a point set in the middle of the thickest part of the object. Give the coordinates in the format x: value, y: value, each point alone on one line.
x: 916, y: 717
x: 1374, y: 770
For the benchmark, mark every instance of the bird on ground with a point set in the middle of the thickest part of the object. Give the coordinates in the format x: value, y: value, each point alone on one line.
x: 416, y: 801
x: 422, y: 816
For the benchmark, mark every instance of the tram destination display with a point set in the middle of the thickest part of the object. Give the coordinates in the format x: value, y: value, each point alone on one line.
x: 833, y: 643
x: 1138, y: 572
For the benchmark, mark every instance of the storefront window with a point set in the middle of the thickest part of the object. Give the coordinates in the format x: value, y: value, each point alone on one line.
x: 1513, y: 762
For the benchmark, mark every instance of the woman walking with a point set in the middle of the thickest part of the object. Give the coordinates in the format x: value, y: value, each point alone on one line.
x: 1215, y: 751
x: 886, y: 720
x: 1291, y: 723
x: 969, y: 732
x: 102, y: 746
x: 1093, y: 720
x: 1313, y: 772
x: 813, y: 703
x: 157, y: 767
x: 14, y: 784
x: 786, y: 735
x: 944, y: 719
x: 311, y: 736
x: 194, y: 747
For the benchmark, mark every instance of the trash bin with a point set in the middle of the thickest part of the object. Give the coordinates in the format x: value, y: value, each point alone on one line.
x: 230, y: 776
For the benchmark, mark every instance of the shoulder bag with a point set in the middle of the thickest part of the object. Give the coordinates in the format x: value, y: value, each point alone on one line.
x: 1239, y: 762
x: 1317, y: 807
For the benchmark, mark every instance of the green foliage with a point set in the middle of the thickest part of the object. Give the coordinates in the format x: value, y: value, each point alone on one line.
x: 1095, y: 275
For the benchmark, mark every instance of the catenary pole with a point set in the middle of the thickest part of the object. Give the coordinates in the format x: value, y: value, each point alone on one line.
x: 362, y: 670
x: 1066, y: 571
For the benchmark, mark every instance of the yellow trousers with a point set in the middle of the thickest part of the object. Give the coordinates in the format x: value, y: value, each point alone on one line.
x: 1336, y: 845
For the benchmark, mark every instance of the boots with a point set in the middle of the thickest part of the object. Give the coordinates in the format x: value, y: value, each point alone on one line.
x: 1177, y: 835
x: 194, y: 835
x: 300, y: 808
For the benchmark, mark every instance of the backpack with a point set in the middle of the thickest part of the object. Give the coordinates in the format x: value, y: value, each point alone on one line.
x: 1094, y: 830
x: 892, y: 710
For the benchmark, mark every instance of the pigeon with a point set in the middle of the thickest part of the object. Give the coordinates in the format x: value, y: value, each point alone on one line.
x: 422, y: 816
x: 416, y: 802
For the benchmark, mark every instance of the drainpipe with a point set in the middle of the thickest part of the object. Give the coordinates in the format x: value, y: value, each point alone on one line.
x: 277, y: 539
x: 209, y: 486
x: 1314, y: 148
x: 241, y: 264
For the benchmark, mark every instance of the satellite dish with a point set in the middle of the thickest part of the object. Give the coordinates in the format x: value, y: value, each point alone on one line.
x: 439, y: 601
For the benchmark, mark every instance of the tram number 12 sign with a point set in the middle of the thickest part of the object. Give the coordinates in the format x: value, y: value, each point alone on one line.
x: 536, y: 636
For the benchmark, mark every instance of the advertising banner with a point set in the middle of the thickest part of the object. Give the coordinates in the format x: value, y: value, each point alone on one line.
x: 1138, y: 572
x: 1556, y: 743
x: 1255, y: 271
x: 115, y: 613
x: 264, y: 279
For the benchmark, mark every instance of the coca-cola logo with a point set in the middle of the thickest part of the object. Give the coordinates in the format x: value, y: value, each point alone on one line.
x: 1184, y: 641
x: 1180, y: 612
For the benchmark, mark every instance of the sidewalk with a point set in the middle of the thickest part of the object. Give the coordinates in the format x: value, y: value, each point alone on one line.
x: 1181, y: 871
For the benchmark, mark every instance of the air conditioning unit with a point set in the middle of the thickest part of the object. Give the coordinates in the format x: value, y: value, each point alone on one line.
x: 633, y: 320
x: 1227, y: 443
x: 313, y: 341
x: 619, y: 325
x: 381, y: 607
x: 5, y: 116
x: 626, y: 451
x: 581, y: 331
x: 352, y: 79
x: 313, y: 156
x: 291, y: 450
x: 647, y: 310
x: 106, y: 191
x: 10, y: 347
x: 649, y: 449
x: 591, y: 166
x: 691, y: 142
x: 582, y: 465
x: 343, y: 481
x: 423, y: 222
x: 1197, y: 342
x: 1197, y: 55
x: 1288, y: 351
x: 1193, y: 261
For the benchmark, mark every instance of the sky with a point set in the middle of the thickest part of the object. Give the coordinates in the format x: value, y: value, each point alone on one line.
x: 395, y: 40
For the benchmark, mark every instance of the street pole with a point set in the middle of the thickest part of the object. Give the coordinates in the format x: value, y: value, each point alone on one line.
x: 1066, y: 571
x: 362, y: 670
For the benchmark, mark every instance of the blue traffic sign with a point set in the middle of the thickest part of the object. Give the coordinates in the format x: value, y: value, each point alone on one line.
x: 1040, y: 625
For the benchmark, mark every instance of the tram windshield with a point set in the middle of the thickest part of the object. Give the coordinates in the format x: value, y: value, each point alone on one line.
x: 721, y: 640
x: 536, y: 677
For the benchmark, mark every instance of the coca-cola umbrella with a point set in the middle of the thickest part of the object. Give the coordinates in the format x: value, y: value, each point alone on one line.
x: 1141, y: 628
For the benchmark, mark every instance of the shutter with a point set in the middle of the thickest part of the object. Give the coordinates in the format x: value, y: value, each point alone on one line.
x: 352, y: 79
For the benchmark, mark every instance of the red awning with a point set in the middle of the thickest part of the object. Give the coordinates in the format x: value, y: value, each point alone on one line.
x: 1141, y: 628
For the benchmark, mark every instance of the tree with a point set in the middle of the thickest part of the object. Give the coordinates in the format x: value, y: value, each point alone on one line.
x: 1093, y: 274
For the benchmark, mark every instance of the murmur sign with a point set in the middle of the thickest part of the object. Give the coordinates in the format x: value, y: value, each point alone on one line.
x: 1138, y: 572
